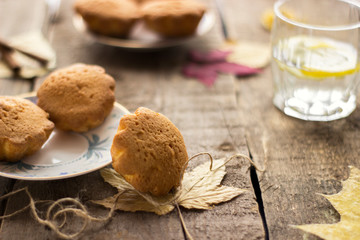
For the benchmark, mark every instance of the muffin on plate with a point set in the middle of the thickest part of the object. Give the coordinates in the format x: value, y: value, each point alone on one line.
x: 108, y: 17
x: 173, y: 18
x: 149, y: 152
x: 78, y: 98
x: 24, y: 128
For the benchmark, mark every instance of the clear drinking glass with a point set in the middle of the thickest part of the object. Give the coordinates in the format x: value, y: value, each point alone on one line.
x: 315, y: 58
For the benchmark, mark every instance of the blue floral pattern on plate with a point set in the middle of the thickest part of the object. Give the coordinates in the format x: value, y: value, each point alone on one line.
x: 95, y: 154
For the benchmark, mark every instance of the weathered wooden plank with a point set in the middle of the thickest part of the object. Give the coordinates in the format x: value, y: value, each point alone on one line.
x: 301, y: 158
x: 6, y: 186
x: 222, y: 135
x: 86, y: 188
x: 11, y: 87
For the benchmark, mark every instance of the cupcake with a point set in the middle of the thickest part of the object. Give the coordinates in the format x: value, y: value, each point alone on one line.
x: 149, y: 152
x: 173, y: 18
x: 24, y: 128
x: 113, y: 18
x: 78, y: 98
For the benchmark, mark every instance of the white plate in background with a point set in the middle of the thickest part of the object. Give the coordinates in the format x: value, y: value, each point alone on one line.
x: 143, y: 38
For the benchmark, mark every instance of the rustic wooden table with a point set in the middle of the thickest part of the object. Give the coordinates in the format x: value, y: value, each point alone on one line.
x: 236, y: 115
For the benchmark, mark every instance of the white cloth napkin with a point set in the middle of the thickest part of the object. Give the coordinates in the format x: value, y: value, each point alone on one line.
x: 33, y: 42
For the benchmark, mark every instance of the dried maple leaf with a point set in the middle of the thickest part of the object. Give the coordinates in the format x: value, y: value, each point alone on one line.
x: 129, y: 199
x: 267, y: 19
x: 268, y: 15
x: 200, y: 189
x: 205, y: 66
x: 251, y: 54
x: 347, y: 203
x: 200, y: 72
x: 207, y: 73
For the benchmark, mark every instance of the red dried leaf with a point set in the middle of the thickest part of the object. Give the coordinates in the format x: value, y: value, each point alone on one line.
x: 237, y: 69
x: 203, y: 73
x: 207, y: 73
x: 205, y: 66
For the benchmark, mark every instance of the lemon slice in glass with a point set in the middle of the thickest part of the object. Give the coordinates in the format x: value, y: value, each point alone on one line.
x: 318, y: 58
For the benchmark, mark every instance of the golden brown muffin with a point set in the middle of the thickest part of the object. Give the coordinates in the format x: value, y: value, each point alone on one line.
x: 24, y: 128
x: 108, y: 17
x: 78, y: 97
x: 149, y: 152
x: 176, y: 18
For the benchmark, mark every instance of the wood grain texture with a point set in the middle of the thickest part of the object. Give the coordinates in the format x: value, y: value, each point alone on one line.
x: 207, y: 117
x: 86, y: 188
x: 302, y: 159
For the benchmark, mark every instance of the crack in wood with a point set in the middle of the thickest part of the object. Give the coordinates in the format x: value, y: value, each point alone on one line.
x: 257, y: 190
x: 253, y: 176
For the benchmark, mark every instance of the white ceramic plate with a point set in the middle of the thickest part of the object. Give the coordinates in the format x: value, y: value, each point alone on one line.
x: 143, y: 38
x: 68, y: 154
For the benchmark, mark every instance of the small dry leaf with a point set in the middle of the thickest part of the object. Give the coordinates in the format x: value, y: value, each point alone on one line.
x: 267, y: 19
x: 200, y: 189
x: 129, y: 199
x: 205, y: 66
x: 252, y: 54
x: 268, y: 16
x: 347, y: 203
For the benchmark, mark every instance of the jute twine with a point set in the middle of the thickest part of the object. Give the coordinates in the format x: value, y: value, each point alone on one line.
x: 59, y: 209
x: 73, y: 206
